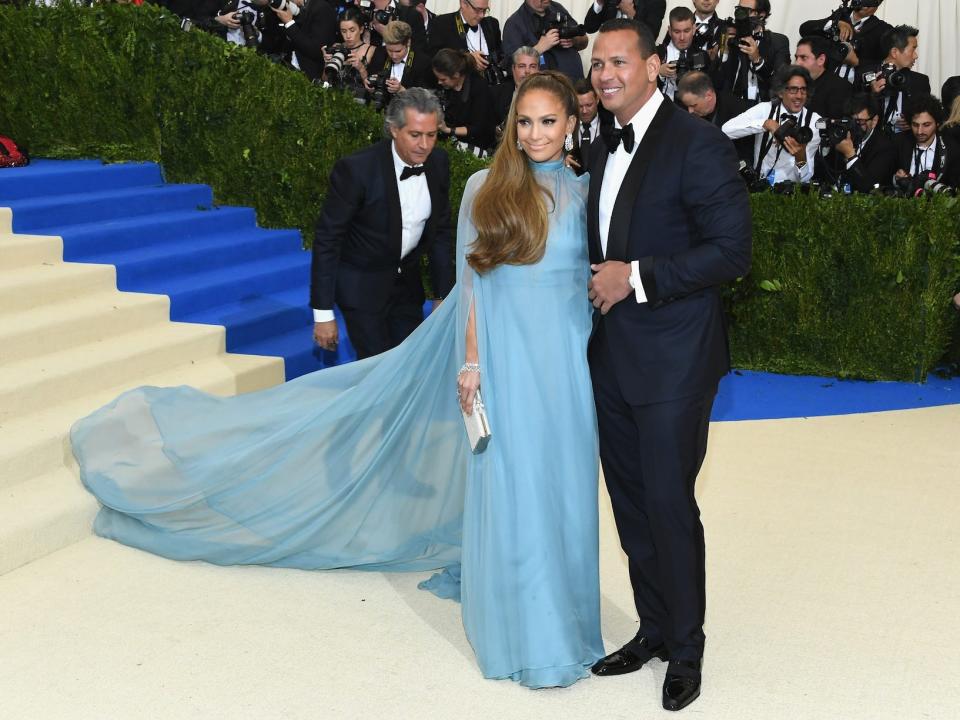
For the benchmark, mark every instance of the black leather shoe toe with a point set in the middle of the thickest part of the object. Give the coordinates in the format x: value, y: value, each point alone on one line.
x: 681, y: 686
x: 631, y: 657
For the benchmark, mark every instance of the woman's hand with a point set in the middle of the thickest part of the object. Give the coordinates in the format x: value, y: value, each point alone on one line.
x: 468, y: 382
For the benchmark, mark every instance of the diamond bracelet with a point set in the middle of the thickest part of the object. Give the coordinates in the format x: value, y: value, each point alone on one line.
x: 468, y: 367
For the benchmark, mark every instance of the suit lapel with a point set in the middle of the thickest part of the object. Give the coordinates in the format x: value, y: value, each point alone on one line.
x: 619, y: 235
x: 597, y: 166
x: 394, y: 218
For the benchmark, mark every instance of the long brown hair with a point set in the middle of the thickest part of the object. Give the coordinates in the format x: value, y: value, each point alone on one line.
x: 510, y: 209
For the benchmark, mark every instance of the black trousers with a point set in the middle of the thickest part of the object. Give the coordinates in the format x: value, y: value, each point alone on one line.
x: 373, y: 331
x: 651, y: 455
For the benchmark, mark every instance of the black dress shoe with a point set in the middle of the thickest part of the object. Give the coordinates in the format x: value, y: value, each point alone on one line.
x: 630, y: 657
x: 681, y: 686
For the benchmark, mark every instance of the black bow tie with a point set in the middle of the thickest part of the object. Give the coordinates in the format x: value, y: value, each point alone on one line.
x: 473, y: 28
x: 411, y: 171
x: 614, y: 137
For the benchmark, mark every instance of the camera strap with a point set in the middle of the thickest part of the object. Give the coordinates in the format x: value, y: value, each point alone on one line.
x: 767, y: 140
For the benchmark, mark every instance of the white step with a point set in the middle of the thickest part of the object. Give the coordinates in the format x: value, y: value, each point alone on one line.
x: 24, y: 250
x: 35, y: 383
x: 26, y: 287
x: 6, y: 220
x: 56, y: 327
x: 39, y: 443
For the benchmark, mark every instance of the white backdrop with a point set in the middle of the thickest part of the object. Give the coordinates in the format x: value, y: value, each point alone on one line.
x: 938, y: 21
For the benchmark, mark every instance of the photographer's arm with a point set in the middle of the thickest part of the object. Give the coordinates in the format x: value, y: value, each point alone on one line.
x: 312, y: 30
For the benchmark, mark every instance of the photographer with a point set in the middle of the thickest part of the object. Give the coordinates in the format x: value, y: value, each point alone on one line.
x: 893, y: 81
x: 346, y: 64
x: 864, y: 158
x: 646, y: 12
x: 308, y: 31
x: 524, y: 61
x: 785, y: 144
x: 828, y: 94
x: 402, y: 67
x: 923, y: 153
x: 678, y: 56
x: 710, y: 33
x: 252, y: 23
x: 383, y: 12
x: 547, y: 27
x: 466, y: 101
x: 754, y: 53
x: 856, y: 32
x: 473, y: 30
x: 696, y: 93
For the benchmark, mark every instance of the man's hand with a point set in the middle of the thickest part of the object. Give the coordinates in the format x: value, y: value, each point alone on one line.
x: 284, y: 16
x: 845, y: 147
x: 548, y: 41
x: 478, y: 56
x: 394, y: 86
x: 771, y: 125
x: 798, y: 150
x: 229, y: 20
x: 902, y: 124
x: 326, y: 334
x: 668, y: 70
x: 435, y: 303
x: 878, y: 85
x: 748, y: 46
x: 628, y: 8
x: 610, y: 284
x: 902, y: 173
x: 846, y: 30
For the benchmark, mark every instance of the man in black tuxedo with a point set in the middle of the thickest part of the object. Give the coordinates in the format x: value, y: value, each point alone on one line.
x: 864, y: 159
x: 923, y: 150
x: 406, y: 66
x: 899, y: 47
x: 697, y: 94
x: 311, y: 30
x: 828, y: 92
x: 668, y: 222
x: 586, y: 138
x: 861, y: 31
x: 470, y: 29
x: 752, y: 61
x: 648, y: 12
x: 387, y: 206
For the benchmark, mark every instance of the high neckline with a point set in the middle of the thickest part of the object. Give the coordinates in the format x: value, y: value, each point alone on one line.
x: 546, y: 165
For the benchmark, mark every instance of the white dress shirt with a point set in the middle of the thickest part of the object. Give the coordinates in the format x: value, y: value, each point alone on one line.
x: 396, y: 70
x: 476, y: 42
x: 921, y: 159
x: 670, y: 84
x: 618, y: 163
x: 779, y: 161
x: 594, y: 128
x: 415, y: 210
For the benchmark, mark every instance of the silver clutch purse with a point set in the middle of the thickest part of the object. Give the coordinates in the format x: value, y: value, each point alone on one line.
x: 478, y: 427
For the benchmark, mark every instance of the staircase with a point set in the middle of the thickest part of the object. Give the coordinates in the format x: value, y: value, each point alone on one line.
x: 70, y: 341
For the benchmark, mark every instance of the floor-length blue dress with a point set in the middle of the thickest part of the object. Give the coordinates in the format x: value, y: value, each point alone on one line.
x: 367, y: 466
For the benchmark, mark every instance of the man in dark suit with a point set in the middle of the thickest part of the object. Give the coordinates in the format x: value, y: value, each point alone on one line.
x: 387, y: 206
x: 899, y: 47
x: 313, y: 28
x: 828, y: 92
x: 471, y: 29
x: 668, y: 222
x: 648, y: 12
x: 860, y: 29
x: 406, y: 66
x: 586, y: 138
x: 864, y: 159
x: 753, y: 60
x: 697, y: 94
x: 923, y: 150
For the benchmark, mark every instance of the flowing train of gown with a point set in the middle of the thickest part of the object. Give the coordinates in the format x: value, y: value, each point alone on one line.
x: 367, y: 466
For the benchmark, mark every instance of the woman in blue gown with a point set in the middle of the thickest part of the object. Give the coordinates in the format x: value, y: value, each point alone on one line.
x: 367, y: 465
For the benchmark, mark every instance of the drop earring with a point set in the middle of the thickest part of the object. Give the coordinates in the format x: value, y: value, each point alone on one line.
x: 519, y: 146
x: 568, y: 143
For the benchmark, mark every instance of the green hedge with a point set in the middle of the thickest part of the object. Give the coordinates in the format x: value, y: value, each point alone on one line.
x: 854, y: 287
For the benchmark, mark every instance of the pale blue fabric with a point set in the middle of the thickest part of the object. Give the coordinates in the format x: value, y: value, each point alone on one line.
x: 367, y: 466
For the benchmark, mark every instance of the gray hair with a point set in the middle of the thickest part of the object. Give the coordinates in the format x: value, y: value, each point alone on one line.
x: 524, y: 51
x: 418, y: 99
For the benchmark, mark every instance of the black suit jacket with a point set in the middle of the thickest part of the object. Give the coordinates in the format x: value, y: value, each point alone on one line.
x: 866, y: 41
x: 916, y: 84
x: 449, y: 31
x: 649, y: 12
x: 417, y: 73
x: 728, y: 107
x: 472, y: 108
x: 876, y: 165
x: 683, y: 212
x: 830, y: 95
x: 775, y: 53
x: 946, y: 158
x: 356, y: 249
x: 312, y: 30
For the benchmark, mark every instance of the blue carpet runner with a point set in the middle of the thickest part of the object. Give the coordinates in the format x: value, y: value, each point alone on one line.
x: 219, y: 268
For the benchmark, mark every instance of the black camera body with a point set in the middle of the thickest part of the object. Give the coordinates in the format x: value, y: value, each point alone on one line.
x: 921, y: 184
x: 248, y: 21
x: 790, y: 128
x: 833, y: 132
x: 567, y: 28
x: 691, y: 60
x: 378, y: 89
x: 895, y: 77
x: 704, y: 38
x: 744, y: 24
x: 384, y: 17
x: 333, y: 69
x: 494, y: 73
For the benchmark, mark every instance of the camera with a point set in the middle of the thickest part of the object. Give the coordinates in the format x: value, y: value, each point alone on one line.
x: 834, y: 132
x: 743, y: 23
x: 754, y: 183
x: 921, y: 184
x: 333, y: 69
x: 789, y: 128
x: 567, y: 28
x: 896, y: 78
x: 704, y: 38
x: 378, y: 90
x: 383, y: 16
x: 494, y: 73
x: 247, y: 20
x: 690, y: 61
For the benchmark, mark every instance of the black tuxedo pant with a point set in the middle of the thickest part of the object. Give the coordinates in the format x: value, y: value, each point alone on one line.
x: 651, y: 455
x: 376, y: 330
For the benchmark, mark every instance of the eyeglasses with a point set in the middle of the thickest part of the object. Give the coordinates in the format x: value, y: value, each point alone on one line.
x: 483, y: 11
x: 795, y: 90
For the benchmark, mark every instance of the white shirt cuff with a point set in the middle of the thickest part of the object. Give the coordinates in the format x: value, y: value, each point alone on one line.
x: 597, y: 7
x: 322, y: 315
x: 636, y: 282
x: 288, y: 24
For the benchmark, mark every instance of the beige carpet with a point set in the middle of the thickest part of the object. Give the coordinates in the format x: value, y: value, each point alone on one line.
x: 833, y: 592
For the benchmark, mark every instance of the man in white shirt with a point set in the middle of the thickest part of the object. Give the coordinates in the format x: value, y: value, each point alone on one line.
x: 668, y: 221
x: 781, y: 157
x: 681, y: 31
x: 924, y: 152
x: 387, y: 206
